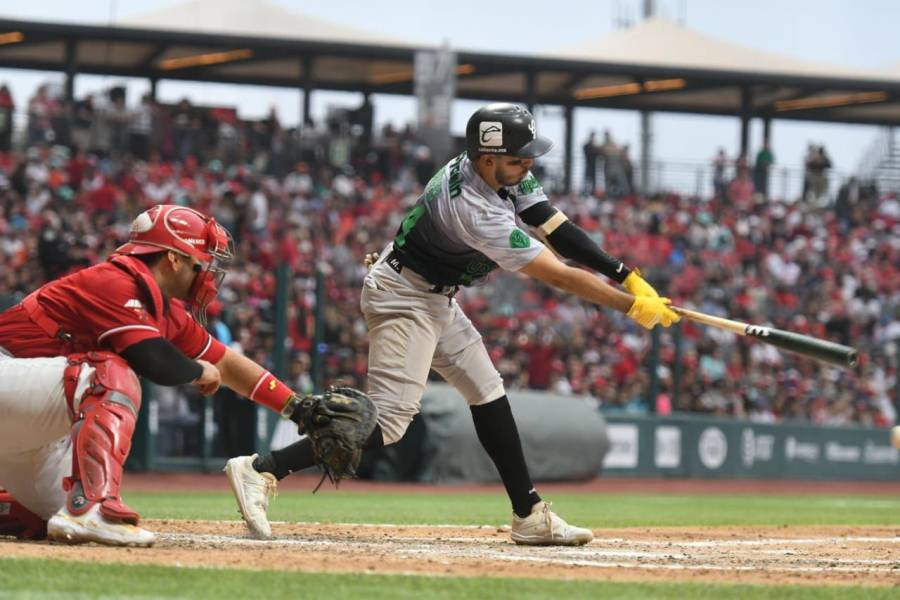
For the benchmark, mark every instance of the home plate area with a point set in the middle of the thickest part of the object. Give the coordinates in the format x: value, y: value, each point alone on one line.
x: 789, y: 555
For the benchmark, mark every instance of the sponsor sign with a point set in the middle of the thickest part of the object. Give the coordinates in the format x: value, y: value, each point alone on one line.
x: 756, y: 447
x: 623, y: 446
x: 712, y: 447
x: 667, y: 447
x: 435, y: 89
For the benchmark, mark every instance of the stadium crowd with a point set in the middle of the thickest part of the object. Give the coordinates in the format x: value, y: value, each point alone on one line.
x: 830, y: 270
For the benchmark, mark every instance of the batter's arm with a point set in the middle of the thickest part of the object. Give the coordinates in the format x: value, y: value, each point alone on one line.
x: 648, y: 311
x: 570, y: 241
x: 550, y: 270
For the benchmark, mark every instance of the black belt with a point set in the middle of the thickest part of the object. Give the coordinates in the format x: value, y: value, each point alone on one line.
x: 394, y: 261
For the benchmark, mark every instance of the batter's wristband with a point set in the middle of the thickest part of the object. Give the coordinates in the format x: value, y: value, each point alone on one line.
x: 271, y: 392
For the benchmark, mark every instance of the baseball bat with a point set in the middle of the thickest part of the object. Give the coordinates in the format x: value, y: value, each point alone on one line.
x: 805, y: 345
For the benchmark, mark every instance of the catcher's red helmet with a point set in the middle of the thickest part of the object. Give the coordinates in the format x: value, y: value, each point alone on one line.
x: 188, y: 232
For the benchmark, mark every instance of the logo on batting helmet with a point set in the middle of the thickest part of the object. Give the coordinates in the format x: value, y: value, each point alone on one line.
x: 503, y: 128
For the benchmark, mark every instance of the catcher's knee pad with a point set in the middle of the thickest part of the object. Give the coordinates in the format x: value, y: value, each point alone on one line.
x: 18, y: 521
x: 104, y: 419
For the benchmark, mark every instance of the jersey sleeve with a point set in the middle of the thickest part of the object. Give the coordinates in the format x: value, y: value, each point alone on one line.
x: 189, y: 337
x: 118, y: 315
x: 495, y: 233
x: 528, y: 193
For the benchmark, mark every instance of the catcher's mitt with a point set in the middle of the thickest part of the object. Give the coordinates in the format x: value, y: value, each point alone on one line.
x: 338, y: 422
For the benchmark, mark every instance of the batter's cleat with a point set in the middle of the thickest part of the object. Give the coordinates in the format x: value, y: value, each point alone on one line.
x: 544, y: 528
x: 92, y: 526
x: 252, y: 490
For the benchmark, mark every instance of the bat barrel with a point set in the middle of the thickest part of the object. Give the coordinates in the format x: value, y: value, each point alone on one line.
x: 823, y: 350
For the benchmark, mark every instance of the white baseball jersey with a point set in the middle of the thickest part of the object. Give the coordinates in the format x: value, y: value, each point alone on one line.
x: 461, y: 229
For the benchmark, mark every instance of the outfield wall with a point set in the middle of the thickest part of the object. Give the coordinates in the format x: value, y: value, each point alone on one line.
x: 564, y: 438
x: 716, y: 448
x: 567, y: 438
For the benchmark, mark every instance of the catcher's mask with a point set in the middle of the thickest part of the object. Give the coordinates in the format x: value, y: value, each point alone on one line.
x: 189, y: 233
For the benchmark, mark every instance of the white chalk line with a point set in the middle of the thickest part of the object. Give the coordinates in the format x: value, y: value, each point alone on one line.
x: 506, y: 528
x: 332, y: 524
x: 587, y: 556
x: 688, y: 567
x: 759, y: 542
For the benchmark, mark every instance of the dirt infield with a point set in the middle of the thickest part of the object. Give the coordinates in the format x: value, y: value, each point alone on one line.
x: 850, y: 555
x: 788, y: 555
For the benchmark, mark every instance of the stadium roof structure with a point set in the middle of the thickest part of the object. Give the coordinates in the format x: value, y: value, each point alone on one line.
x: 659, y: 65
x: 656, y: 65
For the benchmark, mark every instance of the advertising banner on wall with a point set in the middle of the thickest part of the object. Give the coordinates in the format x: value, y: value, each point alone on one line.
x: 725, y: 449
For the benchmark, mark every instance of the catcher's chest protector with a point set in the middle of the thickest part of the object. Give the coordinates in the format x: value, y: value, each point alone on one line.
x: 104, y: 419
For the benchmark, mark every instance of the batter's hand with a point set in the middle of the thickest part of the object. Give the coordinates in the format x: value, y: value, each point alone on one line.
x: 650, y: 312
x: 370, y: 260
x: 209, y: 380
x: 636, y: 284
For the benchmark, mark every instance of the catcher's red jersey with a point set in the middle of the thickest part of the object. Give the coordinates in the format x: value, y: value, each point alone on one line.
x: 109, y: 306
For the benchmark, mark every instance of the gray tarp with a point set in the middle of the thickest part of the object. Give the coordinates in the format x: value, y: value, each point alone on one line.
x: 564, y: 437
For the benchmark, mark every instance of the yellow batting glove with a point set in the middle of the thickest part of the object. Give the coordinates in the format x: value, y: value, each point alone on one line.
x: 636, y: 284
x: 649, y: 312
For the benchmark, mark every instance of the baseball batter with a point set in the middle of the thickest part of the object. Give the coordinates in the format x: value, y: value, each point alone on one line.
x: 463, y: 227
x: 70, y: 357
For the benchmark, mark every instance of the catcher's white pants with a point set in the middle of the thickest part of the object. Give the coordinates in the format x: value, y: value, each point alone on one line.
x: 35, y: 448
x: 412, y: 330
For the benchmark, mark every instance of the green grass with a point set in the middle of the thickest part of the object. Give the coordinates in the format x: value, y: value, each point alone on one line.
x: 20, y: 578
x: 588, y: 510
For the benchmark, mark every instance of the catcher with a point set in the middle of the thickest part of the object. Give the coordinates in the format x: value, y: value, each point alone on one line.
x: 70, y: 357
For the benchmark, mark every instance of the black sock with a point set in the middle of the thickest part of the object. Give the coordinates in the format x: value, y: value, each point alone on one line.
x: 281, y: 463
x: 299, y: 456
x: 376, y: 440
x: 499, y: 435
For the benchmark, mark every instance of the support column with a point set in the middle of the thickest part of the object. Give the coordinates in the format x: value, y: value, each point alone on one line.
x: 63, y: 128
x: 647, y: 124
x: 154, y: 82
x: 767, y: 130
x: 568, y: 116
x: 71, y: 70
x: 530, y: 87
x: 646, y: 151
x: 746, y: 106
x: 306, y: 84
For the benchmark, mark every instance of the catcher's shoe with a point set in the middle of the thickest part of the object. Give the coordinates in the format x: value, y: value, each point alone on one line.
x: 92, y: 526
x: 544, y: 528
x: 252, y: 490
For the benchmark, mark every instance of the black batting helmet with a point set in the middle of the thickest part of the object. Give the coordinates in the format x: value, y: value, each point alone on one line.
x: 504, y: 128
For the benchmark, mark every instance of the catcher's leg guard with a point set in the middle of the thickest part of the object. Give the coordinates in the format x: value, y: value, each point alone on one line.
x: 18, y: 521
x: 104, y: 419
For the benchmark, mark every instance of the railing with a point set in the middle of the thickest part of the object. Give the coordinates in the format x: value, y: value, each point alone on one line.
x: 881, y: 161
x: 695, y: 178
x: 880, y: 149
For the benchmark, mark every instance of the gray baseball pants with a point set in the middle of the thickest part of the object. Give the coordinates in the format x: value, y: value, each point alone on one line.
x: 412, y: 330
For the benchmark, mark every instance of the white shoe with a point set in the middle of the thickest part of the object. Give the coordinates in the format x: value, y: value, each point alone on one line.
x: 92, y: 526
x: 544, y: 528
x: 252, y: 490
